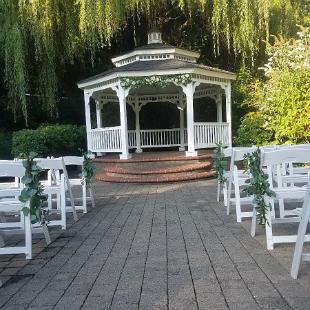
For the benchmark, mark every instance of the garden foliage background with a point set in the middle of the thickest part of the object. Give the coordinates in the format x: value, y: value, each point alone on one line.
x: 47, y: 46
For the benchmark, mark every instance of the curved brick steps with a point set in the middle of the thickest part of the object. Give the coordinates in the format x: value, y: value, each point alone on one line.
x: 154, y: 178
x: 171, y: 170
x: 158, y: 167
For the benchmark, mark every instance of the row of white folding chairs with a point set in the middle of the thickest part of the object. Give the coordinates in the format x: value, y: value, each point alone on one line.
x: 276, y: 160
x: 235, y: 177
x: 298, y: 191
x: 57, y: 184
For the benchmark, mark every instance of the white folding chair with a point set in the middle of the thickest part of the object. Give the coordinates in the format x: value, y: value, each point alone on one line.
x: 57, y: 186
x: 274, y: 160
x: 299, y: 256
x: 237, y: 178
x: 10, y: 204
x: 78, y: 182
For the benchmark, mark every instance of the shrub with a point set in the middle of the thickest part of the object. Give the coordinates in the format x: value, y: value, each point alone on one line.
x: 5, y: 145
x: 282, y: 98
x: 252, y: 131
x: 50, y: 140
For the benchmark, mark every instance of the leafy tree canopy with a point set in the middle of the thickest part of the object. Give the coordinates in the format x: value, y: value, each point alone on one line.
x: 40, y: 38
x: 282, y: 100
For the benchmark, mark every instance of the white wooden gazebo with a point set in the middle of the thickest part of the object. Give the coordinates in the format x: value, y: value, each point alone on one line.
x: 157, y: 72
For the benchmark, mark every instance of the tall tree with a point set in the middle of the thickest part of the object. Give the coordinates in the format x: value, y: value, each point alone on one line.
x: 39, y: 38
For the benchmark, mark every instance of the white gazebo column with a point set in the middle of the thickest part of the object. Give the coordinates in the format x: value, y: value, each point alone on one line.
x: 181, y: 107
x: 219, y: 108
x: 182, y: 147
x: 122, y: 94
x: 137, y: 116
x: 189, y: 90
x: 99, y: 121
x: 87, y: 96
x: 98, y: 114
x: 227, y: 89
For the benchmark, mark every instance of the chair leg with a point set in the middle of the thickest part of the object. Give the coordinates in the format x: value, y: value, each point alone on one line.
x: 268, y: 227
x: 253, y: 225
x: 237, y: 195
x: 225, y: 192
x: 91, y: 193
x: 218, y: 191
x: 46, y: 234
x: 28, y: 237
x: 84, y: 198
x: 229, y: 193
x: 75, y: 217
x: 302, y: 229
x: 63, y: 205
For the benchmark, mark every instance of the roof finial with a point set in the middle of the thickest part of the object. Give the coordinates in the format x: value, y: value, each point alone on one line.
x: 154, y: 36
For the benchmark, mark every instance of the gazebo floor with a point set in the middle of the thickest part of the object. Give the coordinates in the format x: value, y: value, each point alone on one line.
x: 159, y: 167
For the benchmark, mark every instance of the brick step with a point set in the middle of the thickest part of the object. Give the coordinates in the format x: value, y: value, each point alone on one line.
x: 148, y: 170
x: 139, y: 158
x: 163, y: 178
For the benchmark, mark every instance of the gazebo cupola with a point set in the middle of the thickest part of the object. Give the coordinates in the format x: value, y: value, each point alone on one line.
x: 155, y: 50
x: 158, y: 72
x: 154, y: 36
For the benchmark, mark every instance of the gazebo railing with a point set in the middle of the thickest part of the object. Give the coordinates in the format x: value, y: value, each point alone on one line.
x: 150, y: 138
x: 208, y: 134
x: 106, y: 139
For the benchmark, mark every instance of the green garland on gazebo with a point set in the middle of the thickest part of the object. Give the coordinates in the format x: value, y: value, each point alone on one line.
x: 156, y: 81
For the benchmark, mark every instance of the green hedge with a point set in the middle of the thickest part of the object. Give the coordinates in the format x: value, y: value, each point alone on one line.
x: 5, y: 145
x: 50, y: 140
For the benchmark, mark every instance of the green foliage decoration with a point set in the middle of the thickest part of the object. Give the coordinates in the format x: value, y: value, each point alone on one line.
x: 219, y: 163
x: 88, y: 170
x: 156, y: 81
x: 258, y: 186
x: 33, y: 191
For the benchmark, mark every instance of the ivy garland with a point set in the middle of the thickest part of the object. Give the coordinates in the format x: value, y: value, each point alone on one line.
x: 258, y: 186
x: 33, y: 191
x: 219, y: 163
x: 87, y: 170
x: 156, y: 81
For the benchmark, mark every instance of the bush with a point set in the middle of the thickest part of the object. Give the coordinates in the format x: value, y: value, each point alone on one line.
x: 50, y: 140
x: 5, y: 145
x: 252, y: 131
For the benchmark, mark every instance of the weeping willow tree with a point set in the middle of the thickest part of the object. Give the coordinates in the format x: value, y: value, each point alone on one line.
x: 39, y: 37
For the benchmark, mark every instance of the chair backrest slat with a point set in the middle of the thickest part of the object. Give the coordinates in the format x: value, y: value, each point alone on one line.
x: 73, y: 160
x: 296, y: 155
x: 50, y: 163
x: 12, y: 169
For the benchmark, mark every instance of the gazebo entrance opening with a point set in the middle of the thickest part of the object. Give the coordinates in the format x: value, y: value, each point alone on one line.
x: 158, y: 73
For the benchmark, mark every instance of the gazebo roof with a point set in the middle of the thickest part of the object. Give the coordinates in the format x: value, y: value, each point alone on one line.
x: 156, y: 58
x: 145, y: 66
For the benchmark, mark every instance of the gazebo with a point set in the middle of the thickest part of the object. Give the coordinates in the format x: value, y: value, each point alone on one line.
x: 158, y: 72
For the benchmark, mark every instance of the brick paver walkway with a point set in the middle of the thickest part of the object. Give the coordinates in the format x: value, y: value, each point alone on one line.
x: 152, y: 247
